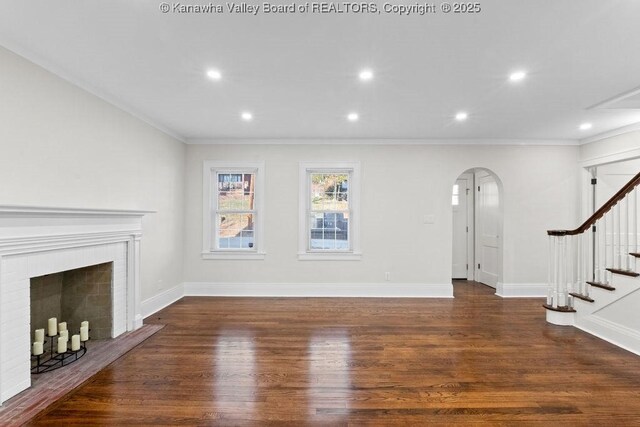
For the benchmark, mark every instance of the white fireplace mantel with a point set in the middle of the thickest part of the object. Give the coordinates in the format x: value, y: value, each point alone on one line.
x: 41, y: 240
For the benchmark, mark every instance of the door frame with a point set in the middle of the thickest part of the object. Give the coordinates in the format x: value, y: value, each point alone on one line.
x: 470, y: 204
x: 472, y: 250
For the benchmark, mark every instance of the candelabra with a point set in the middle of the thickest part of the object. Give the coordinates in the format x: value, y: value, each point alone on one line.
x: 50, y: 360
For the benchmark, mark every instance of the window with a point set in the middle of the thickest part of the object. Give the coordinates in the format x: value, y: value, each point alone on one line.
x: 455, y: 197
x: 329, y: 209
x: 232, y: 211
x: 329, y: 226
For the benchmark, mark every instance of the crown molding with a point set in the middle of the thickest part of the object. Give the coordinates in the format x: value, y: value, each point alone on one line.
x: 611, y: 133
x: 378, y: 141
x: 606, y: 104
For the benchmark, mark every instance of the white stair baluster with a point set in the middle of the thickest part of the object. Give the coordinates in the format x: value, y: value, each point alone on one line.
x: 604, y: 249
x: 555, y: 271
x: 562, y: 293
x: 611, y: 239
x: 587, y: 262
x: 635, y: 227
x: 571, y: 263
x: 597, y: 252
x: 589, y: 266
x: 589, y: 270
x: 580, y: 263
x: 558, y: 278
x: 618, y: 236
x: 627, y: 247
x: 551, y: 273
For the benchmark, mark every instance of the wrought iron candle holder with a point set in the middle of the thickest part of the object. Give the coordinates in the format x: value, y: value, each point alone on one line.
x: 53, y: 360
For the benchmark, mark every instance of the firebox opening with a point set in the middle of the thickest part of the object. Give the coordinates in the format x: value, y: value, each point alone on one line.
x: 73, y: 296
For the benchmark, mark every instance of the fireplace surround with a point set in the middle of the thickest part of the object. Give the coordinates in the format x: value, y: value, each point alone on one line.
x: 35, y: 241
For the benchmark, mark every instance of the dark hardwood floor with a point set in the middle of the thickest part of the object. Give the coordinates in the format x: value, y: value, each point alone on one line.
x: 475, y: 359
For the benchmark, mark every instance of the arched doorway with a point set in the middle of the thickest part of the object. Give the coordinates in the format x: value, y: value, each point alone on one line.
x: 477, y: 227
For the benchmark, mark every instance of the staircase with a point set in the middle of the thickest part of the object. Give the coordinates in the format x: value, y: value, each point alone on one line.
x: 594, y: 272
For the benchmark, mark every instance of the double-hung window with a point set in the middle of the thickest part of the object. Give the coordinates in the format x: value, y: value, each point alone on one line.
x: 232, y: 211
x: 329, y: 211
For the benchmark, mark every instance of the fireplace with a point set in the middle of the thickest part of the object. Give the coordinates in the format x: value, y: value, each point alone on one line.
x: 35, y: 242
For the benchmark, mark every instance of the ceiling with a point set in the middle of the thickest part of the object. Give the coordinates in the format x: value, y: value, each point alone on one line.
x: 298, y: 73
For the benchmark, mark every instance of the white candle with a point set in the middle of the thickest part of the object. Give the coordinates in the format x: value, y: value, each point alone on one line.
x: 53, y: 327
x: 64, y: 335
x: 39, y: 335
x: 84, y: 333
x: 62, y: 346
x: 84, y: 324
x: 37, y: 348
x: 75, y: 342
x: 62, y: 326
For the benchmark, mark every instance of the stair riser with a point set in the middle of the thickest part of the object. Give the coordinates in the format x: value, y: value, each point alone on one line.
x: 623, y: 284
x: 623, y: 272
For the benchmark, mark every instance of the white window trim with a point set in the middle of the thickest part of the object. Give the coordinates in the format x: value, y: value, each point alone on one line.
x: 355, y: 253
x: 209, y: 171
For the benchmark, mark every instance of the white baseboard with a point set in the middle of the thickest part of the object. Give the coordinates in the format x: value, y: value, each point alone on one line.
x: 397, y: 290
x: 162, y: 300
x: 391, y: 290
x: 616, y: 334
x: 561, y: 318
x: 521, y: 290
x: 138, y: 321
x: 15, y: 389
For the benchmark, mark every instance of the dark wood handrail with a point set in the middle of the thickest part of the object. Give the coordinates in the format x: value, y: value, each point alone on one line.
x: 635, y: 181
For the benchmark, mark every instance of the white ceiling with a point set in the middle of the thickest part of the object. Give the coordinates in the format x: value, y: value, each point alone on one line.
x: 297, y: 73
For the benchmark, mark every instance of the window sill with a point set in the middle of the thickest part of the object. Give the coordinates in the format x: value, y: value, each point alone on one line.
x: 231, y: 255
x: 329, y: 256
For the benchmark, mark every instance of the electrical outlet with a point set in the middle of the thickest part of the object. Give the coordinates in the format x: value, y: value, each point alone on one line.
x: 387, y: 276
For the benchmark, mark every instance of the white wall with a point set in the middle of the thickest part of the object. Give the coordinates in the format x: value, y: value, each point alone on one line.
x: 608, y: 150
x: 400, y: 184
x: 61, y: 146
x: 613, y: 176
x: 616, y: 155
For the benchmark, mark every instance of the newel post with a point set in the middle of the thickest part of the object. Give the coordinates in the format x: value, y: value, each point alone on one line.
x: 559, y: 310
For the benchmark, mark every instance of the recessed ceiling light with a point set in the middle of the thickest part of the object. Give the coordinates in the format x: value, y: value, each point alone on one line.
x: 586, y: 126
x: 517, y: 76
x: 366, y: 75
x: 461, y: 116
x: 353, y: 117
x: 214, y: 74
x: 246, y: 116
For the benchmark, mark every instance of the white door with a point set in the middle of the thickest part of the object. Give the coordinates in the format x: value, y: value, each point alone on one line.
x: 461, y: 205
x: 488, y: 229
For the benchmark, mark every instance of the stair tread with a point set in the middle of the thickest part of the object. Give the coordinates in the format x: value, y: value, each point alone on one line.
x: 602, y: 286
x: 624, y: 272
x: 565, y: 309
x: 582, y: 297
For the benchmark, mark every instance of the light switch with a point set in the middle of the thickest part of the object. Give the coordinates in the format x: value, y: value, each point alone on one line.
x: 429, y: 219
